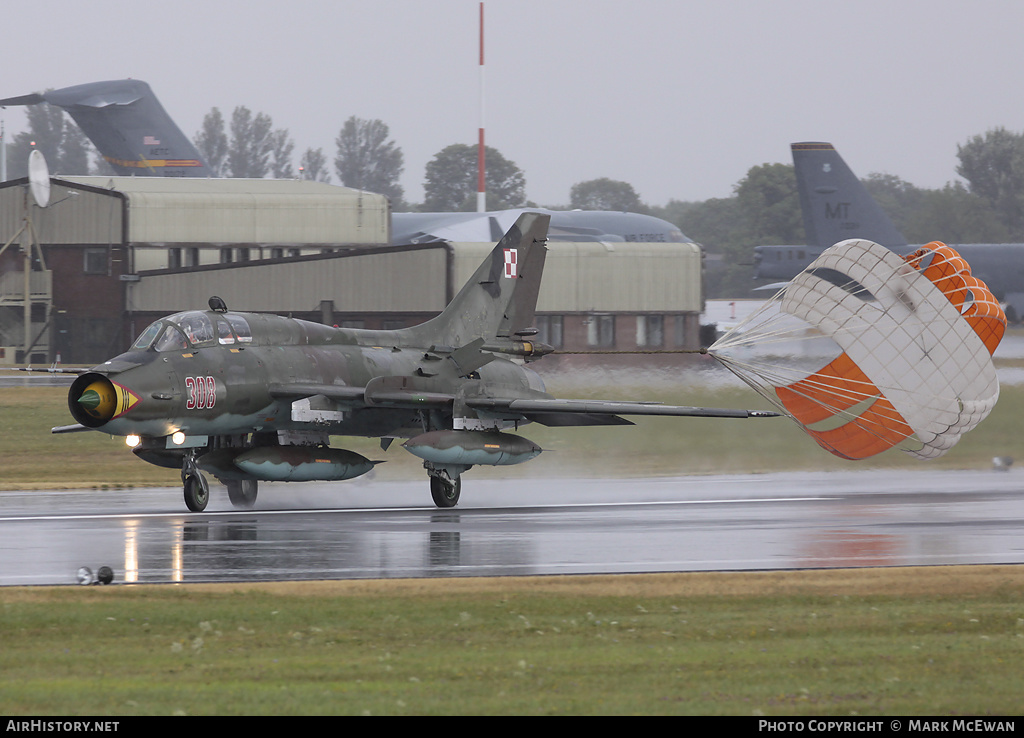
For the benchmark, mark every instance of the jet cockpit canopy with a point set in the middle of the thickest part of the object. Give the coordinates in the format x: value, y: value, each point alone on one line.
x: 193, y: 329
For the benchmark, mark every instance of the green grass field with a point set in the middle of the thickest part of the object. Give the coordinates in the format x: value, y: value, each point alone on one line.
x: 869, y: 642
x: 933, y: 641
x: 925, y: 641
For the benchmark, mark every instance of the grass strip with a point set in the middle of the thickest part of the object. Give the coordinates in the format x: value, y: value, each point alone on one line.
x: 919, y: 641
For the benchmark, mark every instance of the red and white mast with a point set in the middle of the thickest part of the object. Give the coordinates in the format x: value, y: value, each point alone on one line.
x: 481, y: 186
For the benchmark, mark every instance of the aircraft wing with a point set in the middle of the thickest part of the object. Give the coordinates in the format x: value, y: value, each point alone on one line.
x: 298, y: 391
x: 31, y: 99
x: 554, y: 412
x: 546, y: 411
x: 377, y: 393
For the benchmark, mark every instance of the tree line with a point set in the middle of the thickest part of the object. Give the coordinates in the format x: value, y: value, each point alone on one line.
x: 366, y: 157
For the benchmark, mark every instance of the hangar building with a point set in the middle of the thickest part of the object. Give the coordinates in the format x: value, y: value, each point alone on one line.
x: 115, y: 253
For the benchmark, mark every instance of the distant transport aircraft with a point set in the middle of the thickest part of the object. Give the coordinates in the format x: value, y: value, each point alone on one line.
x: 128, y: 125
x: 133, y: 132
x: 836, y: 206
x: 566, y: 225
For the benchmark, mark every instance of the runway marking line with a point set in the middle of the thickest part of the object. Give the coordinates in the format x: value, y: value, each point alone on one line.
x: 307, y: 511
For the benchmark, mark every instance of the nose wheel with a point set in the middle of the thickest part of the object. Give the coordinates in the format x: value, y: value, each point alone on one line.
x: 196, y: 489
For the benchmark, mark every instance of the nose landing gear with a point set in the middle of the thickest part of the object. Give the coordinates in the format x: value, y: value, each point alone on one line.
x: 196, y: 488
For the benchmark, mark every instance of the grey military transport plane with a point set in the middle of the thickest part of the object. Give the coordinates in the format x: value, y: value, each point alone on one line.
x: 128, y: 125
x: 836, y: 205
x: 251, y: 397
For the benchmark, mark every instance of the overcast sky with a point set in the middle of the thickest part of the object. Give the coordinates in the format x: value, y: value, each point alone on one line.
x: 677, y: 97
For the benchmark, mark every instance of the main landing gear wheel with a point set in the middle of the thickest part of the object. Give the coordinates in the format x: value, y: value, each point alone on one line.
x: 445, y: 491
x: 197, y: 492
x: 242, y: 493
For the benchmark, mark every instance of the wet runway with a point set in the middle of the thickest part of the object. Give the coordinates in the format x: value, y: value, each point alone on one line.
x: 520, y: 526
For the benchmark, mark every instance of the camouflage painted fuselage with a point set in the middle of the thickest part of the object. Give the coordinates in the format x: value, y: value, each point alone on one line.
x: 235, y: 384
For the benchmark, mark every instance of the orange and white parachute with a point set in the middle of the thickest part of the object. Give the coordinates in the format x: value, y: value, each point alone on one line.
x: 868, y: 350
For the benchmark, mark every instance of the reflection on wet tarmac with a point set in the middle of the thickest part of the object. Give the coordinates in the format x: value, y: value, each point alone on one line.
x: 741, y: 522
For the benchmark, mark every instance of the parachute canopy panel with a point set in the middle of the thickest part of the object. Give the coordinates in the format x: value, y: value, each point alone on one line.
x: 867, y: 350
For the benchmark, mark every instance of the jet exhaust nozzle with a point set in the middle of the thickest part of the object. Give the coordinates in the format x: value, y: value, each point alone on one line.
x: 472, y: 448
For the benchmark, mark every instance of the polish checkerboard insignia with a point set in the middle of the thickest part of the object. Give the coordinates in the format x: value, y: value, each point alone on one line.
x: 511, y: 265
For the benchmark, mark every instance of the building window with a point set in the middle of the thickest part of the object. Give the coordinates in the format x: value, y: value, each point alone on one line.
x: 601, y: 331
x: 549, y: 330
x: 679, y: 334
x: 650, y: 330
x: 96, y: 262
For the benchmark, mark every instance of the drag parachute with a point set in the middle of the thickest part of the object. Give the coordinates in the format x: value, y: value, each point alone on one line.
x: 867, y: 350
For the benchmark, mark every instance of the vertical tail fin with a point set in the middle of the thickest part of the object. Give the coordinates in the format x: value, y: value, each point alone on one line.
x: 500, y: 298
x: 835, y: 204
x: 129, y: 127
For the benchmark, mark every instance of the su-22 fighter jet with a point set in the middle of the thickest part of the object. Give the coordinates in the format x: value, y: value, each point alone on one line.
x: 251, y: 397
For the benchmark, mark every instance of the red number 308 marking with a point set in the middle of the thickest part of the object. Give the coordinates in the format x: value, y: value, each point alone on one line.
x: 202, y: 393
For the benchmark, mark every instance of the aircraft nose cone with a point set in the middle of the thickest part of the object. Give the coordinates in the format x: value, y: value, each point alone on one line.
x: 90, y: 399
x: 93, y: 400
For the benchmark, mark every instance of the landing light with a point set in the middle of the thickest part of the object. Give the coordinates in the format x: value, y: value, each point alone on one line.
x: 178, y: 438
x: 132, y: 440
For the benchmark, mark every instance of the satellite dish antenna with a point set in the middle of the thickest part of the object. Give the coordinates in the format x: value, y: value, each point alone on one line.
x: 39, y: 178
